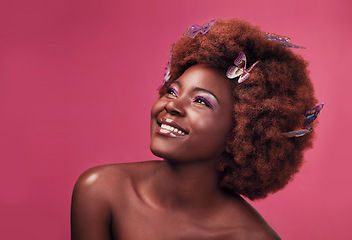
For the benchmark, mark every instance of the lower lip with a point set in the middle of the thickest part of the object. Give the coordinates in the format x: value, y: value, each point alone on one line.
x: 168, y: 133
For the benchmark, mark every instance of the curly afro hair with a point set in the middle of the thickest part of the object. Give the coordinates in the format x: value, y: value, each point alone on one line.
x: 271, y: 101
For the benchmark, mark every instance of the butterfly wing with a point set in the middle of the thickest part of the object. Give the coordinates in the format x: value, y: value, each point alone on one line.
x: 243, y: 77
x: 233, y: 72
x: 206, y: 27
x: 312, y: 114
x: 192, y: 31
x: 275, y: 37
x: 296, y: 133
x: 290, y: 45
x: 167, y: 75
x: 241, y: 60
x: 245, y: 73
x: 283, y: 40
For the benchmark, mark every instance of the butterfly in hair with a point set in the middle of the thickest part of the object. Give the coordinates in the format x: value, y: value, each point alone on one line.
x: 193, y: 30
x: 167, y: 74
x: 239, y: 69
x: 311, y: 115
x: 283, y: 40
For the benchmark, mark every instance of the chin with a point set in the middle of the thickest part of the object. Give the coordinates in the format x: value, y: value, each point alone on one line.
x: 156, y: 152
x: 159, y: 152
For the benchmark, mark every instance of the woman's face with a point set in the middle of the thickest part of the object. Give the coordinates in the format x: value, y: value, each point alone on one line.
x: 192, y: 121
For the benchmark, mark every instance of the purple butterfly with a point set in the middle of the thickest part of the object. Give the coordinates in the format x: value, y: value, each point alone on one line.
x: 167, y: 73
x: 284, y: 41
x: 311, y: 115
x: 239, y: 69
x: 193, y: 30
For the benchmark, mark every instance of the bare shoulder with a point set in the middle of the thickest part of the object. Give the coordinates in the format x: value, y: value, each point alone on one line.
x: 108, y: 180
x: 248, y: 223
x: 97, y: 192
x: 97, y: 181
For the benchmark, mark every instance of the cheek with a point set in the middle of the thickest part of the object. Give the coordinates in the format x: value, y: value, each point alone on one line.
x: 213, y: 128
x: 157, y: 107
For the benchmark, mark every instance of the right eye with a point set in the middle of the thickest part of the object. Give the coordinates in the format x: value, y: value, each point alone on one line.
x: 172, y: 91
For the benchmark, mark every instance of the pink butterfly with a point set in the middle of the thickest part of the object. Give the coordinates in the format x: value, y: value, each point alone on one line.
x: 167, y: 74
x: 284, y: 41
x: 311, y: 115
x: 193, y: 30
x: 239, y: 69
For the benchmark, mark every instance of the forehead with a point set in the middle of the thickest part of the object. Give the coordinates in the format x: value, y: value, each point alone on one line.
x: 202, y: 76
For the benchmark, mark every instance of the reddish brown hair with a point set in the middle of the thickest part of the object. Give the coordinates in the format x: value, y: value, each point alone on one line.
x: 271, y: 101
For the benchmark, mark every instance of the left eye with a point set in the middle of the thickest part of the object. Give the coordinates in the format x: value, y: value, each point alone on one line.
x: 203, y: 101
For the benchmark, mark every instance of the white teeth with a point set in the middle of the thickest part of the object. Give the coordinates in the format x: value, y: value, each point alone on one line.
x: 172, y: 129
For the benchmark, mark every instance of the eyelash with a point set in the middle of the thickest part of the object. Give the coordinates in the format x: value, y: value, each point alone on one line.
x: 205, y: 101
x: 172, y: 91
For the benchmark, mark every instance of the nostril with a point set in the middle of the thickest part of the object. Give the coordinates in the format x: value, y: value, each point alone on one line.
x: 172, y: 111
x: 174, y: 108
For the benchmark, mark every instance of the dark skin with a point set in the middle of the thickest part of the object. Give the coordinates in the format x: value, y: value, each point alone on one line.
x: 177, y: 198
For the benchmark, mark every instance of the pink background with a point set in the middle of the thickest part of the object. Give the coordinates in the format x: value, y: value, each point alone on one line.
x: 78, y: 77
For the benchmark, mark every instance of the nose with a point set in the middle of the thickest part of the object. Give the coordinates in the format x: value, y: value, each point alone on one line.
x: 175, y: 107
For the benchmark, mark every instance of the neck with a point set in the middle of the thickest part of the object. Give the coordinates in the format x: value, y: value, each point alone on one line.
x: 186, y: 185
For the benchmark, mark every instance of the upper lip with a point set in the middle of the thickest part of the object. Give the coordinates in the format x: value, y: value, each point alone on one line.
x: 170, y: 122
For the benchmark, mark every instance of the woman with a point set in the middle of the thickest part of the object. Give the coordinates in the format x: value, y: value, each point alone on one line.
x: 219, y: 139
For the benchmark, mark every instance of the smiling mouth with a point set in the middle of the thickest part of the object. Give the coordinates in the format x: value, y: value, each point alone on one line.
x: 165, y: 127
x: 169, y: 127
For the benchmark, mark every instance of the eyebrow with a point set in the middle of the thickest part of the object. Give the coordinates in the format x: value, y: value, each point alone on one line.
x: 207, y: 91
x: 177, y: 83
x: 199, y: 89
